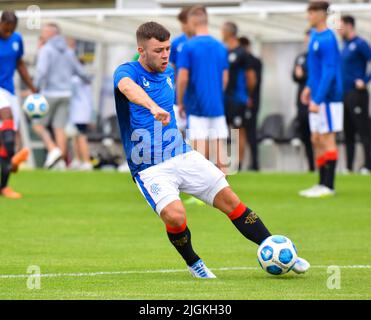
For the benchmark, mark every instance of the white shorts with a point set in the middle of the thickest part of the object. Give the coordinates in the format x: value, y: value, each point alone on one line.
x: 328, y: 119
x: 202, y: 128
x: 10, y: 100
x: 190, y: 173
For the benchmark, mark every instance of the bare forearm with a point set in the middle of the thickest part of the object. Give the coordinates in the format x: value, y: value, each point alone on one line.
x: 182, y: 83
x: 181, y: 87
x: 23, y: 72
x: 225, y: 79
x: 135, y: 93
x: 251, y: 81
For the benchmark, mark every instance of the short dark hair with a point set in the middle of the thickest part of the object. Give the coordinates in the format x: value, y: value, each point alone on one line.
x: 244, y: 41
x: 232, y: 28
x: 9, y: 17
x: 150, y: 30
x: 349, y: 20
x: 200, y: 12
x: 316, y: 5
x: 183, y: 14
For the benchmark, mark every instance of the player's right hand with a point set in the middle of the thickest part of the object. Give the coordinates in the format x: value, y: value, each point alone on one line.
x: 160, y: 115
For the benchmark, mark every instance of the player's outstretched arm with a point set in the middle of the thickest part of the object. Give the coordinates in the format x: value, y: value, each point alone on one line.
x: 23, y: 72
x: 137, y: 95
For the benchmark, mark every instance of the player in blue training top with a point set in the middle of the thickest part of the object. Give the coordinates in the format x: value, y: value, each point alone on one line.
x: 161, y: 163
x: 178, y: 42
x: 11, y: 52
x: 324, y: 95
x: 202, y: 79
x: 175, y: 50
x: 355, y: 56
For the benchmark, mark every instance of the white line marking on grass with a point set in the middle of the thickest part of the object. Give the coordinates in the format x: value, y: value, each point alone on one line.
x: 103, y: 273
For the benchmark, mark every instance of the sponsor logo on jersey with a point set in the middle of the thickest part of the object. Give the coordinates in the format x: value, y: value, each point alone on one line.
x: 145, y: 82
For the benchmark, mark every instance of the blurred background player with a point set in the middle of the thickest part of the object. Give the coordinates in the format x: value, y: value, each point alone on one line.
x: 176, y: 48
x: 9, y: 160
x: 324, y: 95
x: 202, y: 77
x: 80, y: 116
x: 144, y: 97
x: 254, y: 104
x: 56, y: 64
x: 355, y: 55
x: 242, y: 81
x: 178, y: 42
x: 11, y: 52
x: 300, y: 76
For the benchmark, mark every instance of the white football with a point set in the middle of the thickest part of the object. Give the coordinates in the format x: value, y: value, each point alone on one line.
x: 277, y: 255
x: 36, y: 106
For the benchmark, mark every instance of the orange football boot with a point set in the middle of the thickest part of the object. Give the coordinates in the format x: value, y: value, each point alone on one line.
x: 19, y: 157
x: 9, y: 193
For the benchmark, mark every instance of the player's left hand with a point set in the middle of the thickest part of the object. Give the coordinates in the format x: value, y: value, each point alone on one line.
x: 360, y: 84
x: 313, y: 107
x: 161, y: 115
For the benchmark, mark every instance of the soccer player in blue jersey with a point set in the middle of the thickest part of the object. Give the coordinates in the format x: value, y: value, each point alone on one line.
x: 178, y: 42
x: 355, y: 56
x: 161, y: 163
x: 11, y: 52
x: 176, y: 48
x: 202, y: 79
x: 324, y: 95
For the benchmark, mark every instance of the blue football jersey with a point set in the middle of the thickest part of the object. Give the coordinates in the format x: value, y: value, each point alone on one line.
x: 146, y: 141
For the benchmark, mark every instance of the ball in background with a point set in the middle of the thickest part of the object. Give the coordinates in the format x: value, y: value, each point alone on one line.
x: 36, y: 106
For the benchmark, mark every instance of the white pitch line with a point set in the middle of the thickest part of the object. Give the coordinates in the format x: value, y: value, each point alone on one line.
x: 102, y: 273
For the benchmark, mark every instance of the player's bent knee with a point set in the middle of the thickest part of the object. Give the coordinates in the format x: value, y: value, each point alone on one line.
x: 173, y: 214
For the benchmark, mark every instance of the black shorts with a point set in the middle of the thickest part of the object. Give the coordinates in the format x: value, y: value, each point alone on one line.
x: 82, y: 128
x: 235, y: 114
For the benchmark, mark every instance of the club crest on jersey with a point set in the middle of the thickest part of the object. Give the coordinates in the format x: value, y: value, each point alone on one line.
x: 232, y: 57
x: 155, y: 188
x: 15, y: 46
x: 169, y: 82
x: 145, y: 82
x: 352, y: 46
x: 315, y: 46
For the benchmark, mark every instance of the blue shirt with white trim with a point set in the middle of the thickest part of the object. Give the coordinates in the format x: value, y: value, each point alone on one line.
x: 355, y: 56
x: 324, y: 67
x: 206, y: 59
x: 146, y: 141
x: 11, y: 50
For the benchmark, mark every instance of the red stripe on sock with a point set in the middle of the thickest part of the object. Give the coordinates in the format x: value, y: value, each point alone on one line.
x: 3, y: 153
x: 176, y: 230
x: 321, y: 161
x: 331, y: 155
x: 8, y: 124
x: 236, y: 213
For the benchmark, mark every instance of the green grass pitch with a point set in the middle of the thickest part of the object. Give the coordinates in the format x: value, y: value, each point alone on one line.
x: 94, y: 237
